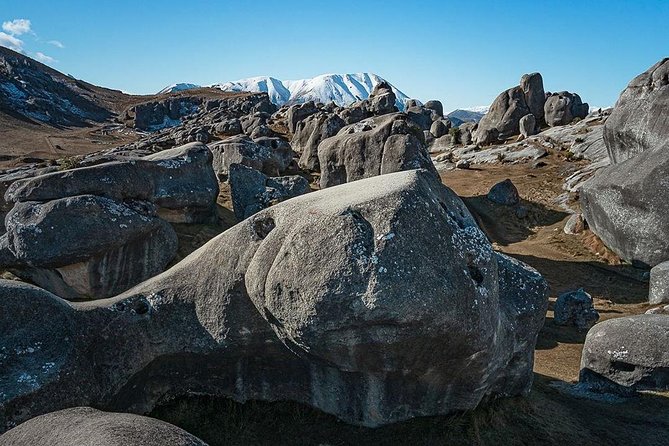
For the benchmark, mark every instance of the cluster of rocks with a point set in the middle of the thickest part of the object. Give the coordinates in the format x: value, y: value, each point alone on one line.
x: 332, y: 299
x: 179, y: 120
x: 524, y: 109
x: 626, y: 205
x: 95, y: 231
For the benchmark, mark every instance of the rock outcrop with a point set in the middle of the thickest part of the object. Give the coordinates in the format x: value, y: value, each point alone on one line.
x: 253, y: 191
x: 96, y: 231
x: 562, y: 108
x: 659, y: 284
x: 374, y: 146
x: 270, y: 159
x: 627, y: 204
x: 330, y: 299
x: 309, y: 134
x: 627, y: 354
x: 81, y: 426
x: 503, y: 118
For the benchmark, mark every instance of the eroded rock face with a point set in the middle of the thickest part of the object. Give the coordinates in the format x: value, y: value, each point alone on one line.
x: 86, y: 426
x: 298, y: 112
x: 180, y: 180
x: 329, y: 299
x: 659, y: 284
x: 309, y: 134
x: 535, y: 96
x: 253, y: 191
x: 627, y: 353
x: 96, y: 231
x: 269, y: 159
x: 562, y: 108
x: 528, y: 125
x: 375, y: 146
x: 640, y: 120
x: 626, y: 204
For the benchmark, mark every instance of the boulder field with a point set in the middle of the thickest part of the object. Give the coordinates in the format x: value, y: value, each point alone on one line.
x: 332, y: 299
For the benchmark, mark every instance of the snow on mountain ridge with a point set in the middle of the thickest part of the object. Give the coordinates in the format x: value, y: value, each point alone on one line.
x: 178, y: 87
x: 343, y: 89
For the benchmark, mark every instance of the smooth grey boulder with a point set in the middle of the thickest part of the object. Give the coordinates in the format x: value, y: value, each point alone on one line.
x: 86, y: 246
x: 84, y: 426
x: 243, y: 150
x: 627, y: 354
x: 249, y: 123
x: 639, y: 120
x: 575, y: 309
x: 535, y: 96
x: 528, y: 125
x: 298, y: 112
x: 180, y: 181
x: 421, y: 116
x: 371, y: 147
x: 562, y: 108
x: 253, y: 191
x: 440, y: 128
x: 502, y: 120
x: 436, y: 106
x: 627, y: 203
x: 327, y: 299
x: 504, y: 193
x: 659, y: 284
x: 309, y: 134
x: 354, y: 113
x: 467, y: 130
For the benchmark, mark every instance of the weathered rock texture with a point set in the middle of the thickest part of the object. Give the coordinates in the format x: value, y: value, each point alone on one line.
x: 84, y: 426
x: 627, y: 204
x: 627, y: 353
x: 96, y: 231
x: 374, y: 146
x: 562, y: 108
x: 253, y: 191
x: 376, y: 301
x: 270, y: 159
x: 659, y: 284
x: 503, y: 118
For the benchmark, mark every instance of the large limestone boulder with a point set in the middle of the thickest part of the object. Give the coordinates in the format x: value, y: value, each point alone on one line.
x: 180, y: 181
x: 371, y: 147
x: 309, y: 134
x: 376, y: 301
x: 535, y: 96
x: 562, y: 108
x: 270, y: 160
x: 253, y: 191
x: 382, y: 99
x: 528, y: 125
x: 627, y: 353
x: 86, y: 246
x: 503, y: 118
x: 627, y: 204
x: 640, y: 120
x: 83, y: 426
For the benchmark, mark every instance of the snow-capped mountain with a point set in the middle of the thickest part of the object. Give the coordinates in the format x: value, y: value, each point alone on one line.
x: 277, y: 91
x: 343, y: 89
x: 178, y: 87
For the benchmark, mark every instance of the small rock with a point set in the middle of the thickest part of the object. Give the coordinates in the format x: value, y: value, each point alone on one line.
x: 462, y: 164
x: 659, y: 310
x: 504, y: 193
x: 575, y: 309
x: 575, y: 224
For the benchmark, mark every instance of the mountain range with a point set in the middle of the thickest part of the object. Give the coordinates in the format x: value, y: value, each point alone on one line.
x: 342, y: 89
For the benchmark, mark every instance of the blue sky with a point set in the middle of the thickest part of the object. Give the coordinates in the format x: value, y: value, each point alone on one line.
x: 461, y: 52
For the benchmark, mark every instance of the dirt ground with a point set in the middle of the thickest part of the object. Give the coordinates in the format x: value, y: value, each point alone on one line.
x: 554, y: 413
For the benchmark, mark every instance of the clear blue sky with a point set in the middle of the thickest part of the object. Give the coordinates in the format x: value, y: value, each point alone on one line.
x: 461, y: 52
